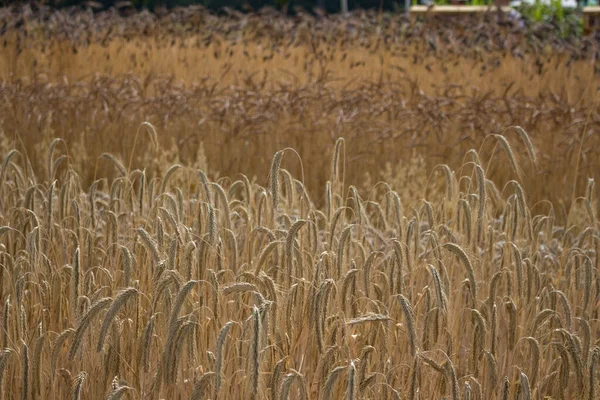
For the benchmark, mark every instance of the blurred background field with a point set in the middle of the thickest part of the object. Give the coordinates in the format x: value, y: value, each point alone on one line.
x: 227, y: 91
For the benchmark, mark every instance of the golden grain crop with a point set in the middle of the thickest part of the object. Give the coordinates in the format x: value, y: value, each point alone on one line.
x: 164, y: 286
x: 279, y: 211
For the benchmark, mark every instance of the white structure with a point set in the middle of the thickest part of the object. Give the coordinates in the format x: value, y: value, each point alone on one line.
x: 565, y: 3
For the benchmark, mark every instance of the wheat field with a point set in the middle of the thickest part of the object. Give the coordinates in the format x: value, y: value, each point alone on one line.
x: 212, y: 232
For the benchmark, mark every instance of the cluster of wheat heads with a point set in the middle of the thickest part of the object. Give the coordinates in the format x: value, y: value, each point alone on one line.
x: 177, y: 286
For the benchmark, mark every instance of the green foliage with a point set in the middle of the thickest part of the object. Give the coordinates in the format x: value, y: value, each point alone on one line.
x: 568, y: 21
x: 560, y: 12
x: 538, y: 12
